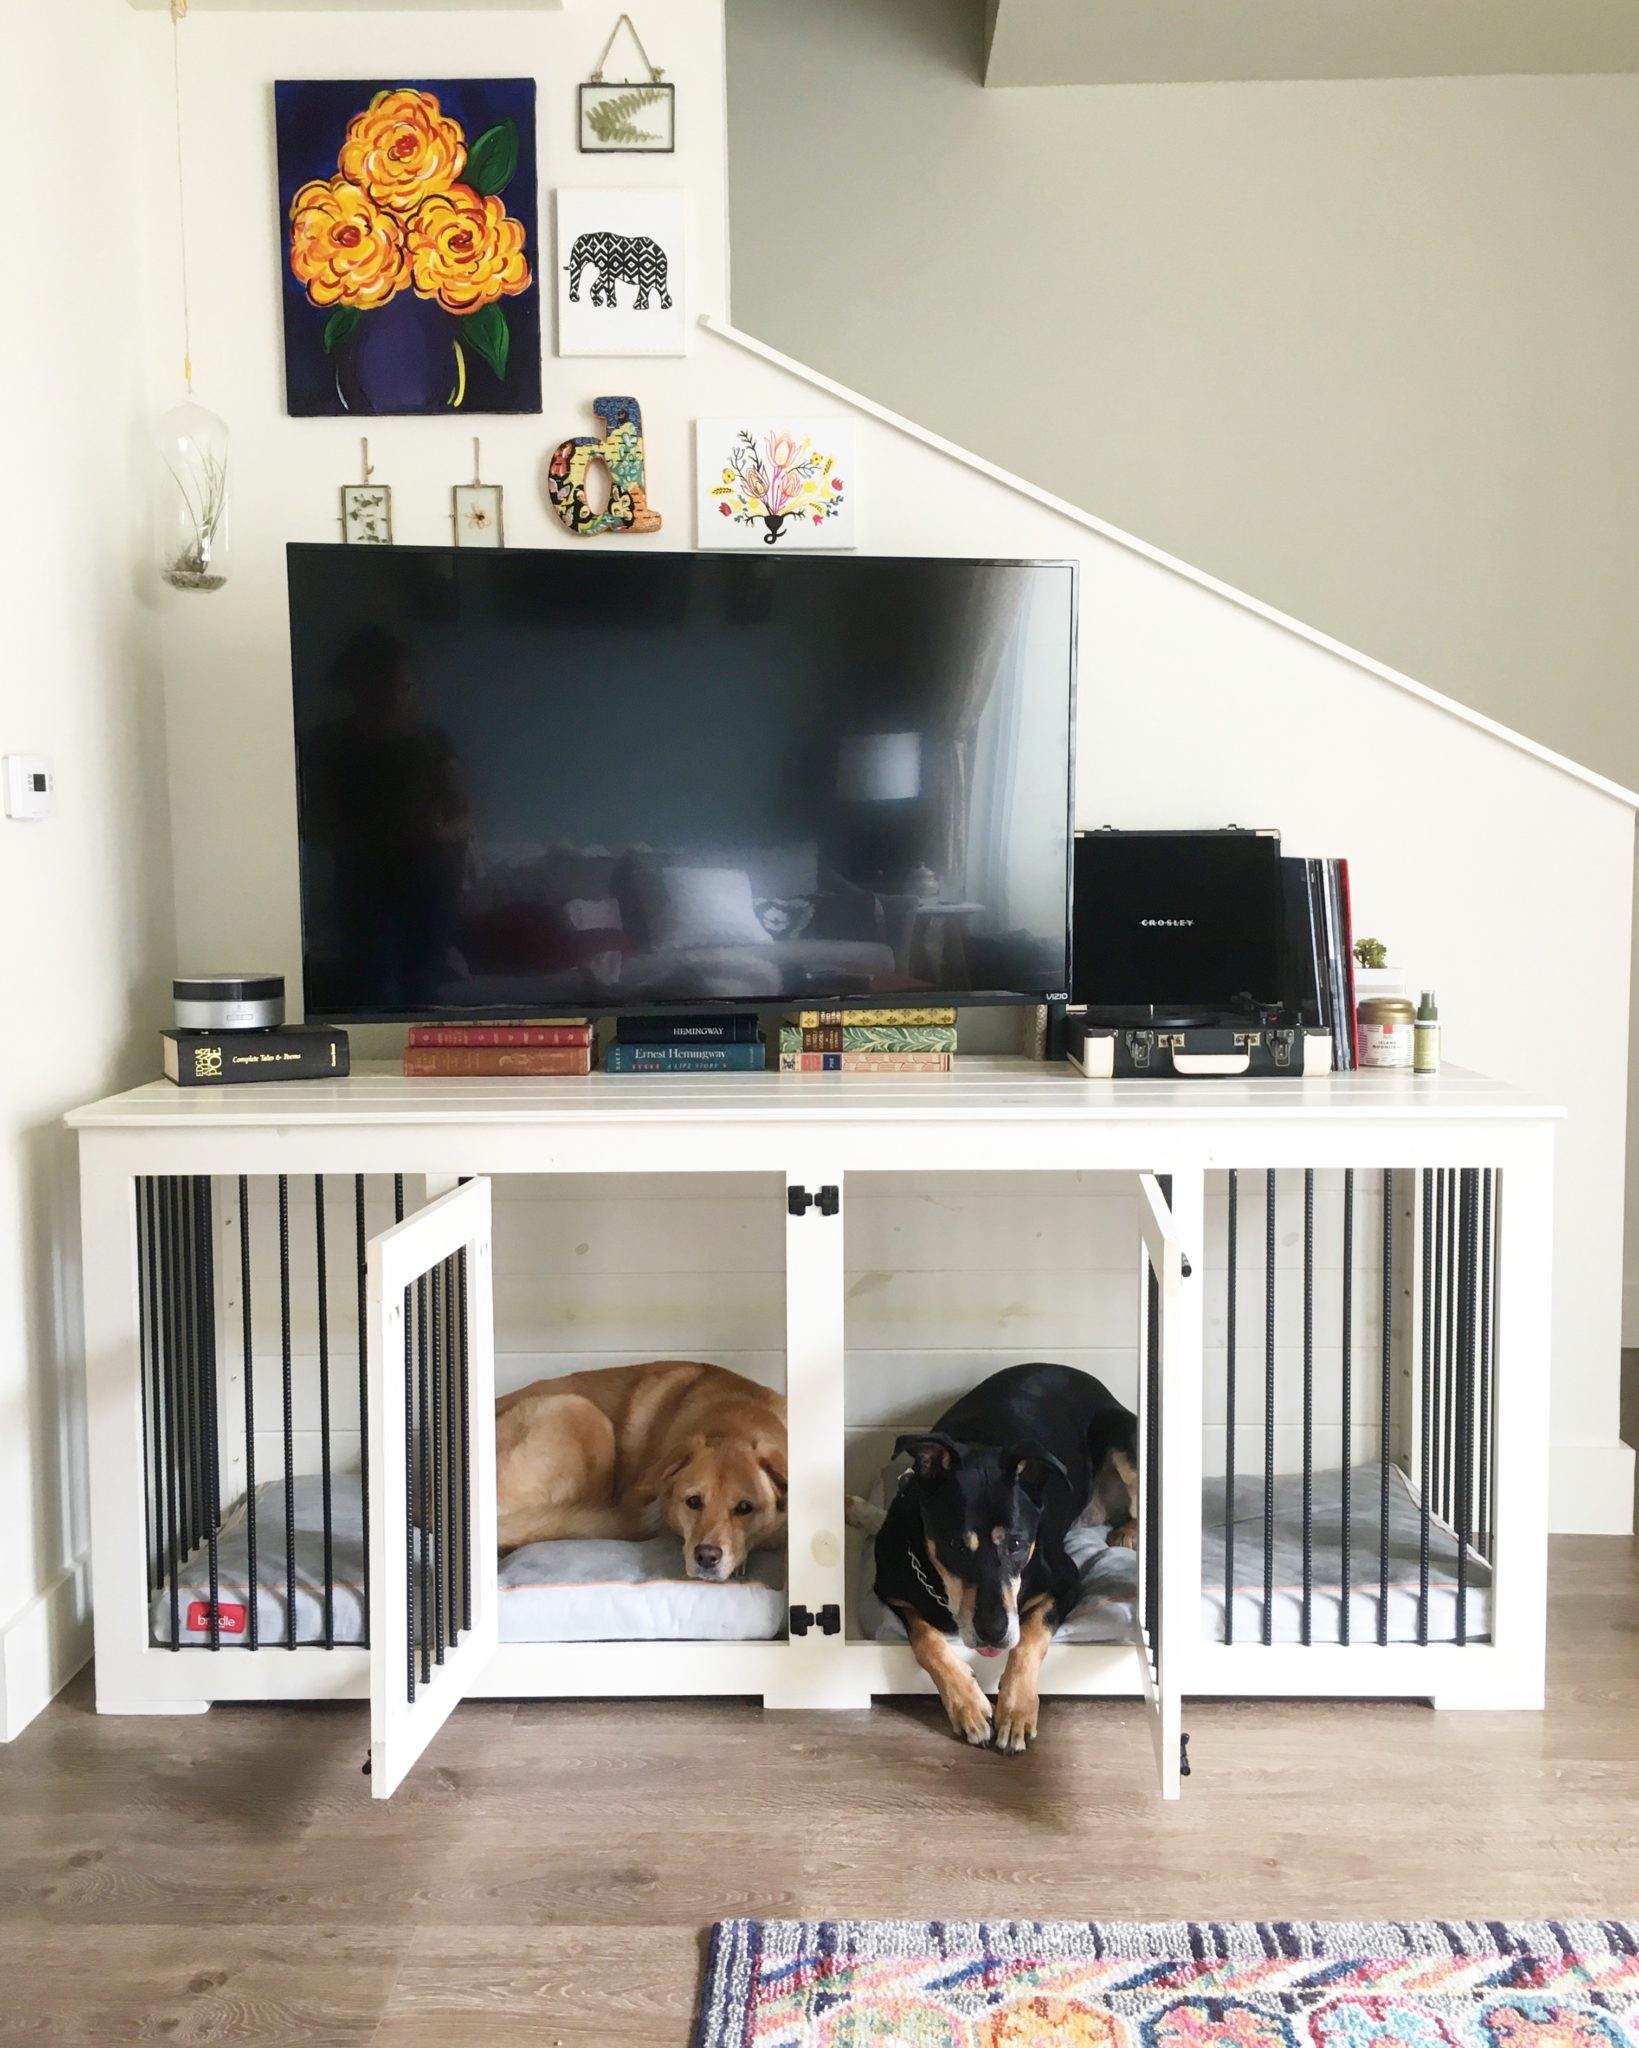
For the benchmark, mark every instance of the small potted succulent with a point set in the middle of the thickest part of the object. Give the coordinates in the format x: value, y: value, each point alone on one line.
x: 1373, y: 976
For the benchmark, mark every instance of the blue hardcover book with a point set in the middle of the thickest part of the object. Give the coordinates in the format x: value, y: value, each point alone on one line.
x: 685, y: 1059
x: 731, y: 1027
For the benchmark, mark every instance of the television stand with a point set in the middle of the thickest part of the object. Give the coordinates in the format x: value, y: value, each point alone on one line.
x: 1454, y: 1168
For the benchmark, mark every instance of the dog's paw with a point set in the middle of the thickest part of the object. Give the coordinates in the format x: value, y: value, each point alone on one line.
x: 863, y: 1514
x: 1124, y: 1536
x: 969, y: 1710
x: 1016, y: 1716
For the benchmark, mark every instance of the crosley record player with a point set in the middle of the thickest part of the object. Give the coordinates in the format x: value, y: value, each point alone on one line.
x: 1179, y: 958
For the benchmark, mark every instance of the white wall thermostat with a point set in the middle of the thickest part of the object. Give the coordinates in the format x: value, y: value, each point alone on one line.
x: 31, y: 787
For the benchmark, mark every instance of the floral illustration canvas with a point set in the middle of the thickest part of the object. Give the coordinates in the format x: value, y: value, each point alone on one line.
x: 786, y: 484
x: 409, y: 246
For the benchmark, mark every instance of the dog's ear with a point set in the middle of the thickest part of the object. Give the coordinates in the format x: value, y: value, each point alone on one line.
x: 932, y: 1455
x: 1032, y: 1470
x: 772, y: 1458
x: 660, y: 1476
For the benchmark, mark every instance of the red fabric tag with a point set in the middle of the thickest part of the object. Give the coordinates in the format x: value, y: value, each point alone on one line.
x: 230, y: 1617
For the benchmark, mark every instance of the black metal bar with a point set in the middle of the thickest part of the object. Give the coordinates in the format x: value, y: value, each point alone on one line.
x: 205, y: 1274
x: 1437, y: 1399
x: 466, y: 1452
x: 409, y: 1485
x: 289, y: 1413
x: 1487, y: 1288
x: 148, y: 1366
x: 1345, y: 1577
x: 1229, y: 1405
x: 1466, y: 1346
x: 433, y: 1522
x: 409, y: 1460
x: 321, y: 1293
x: 1269, y: 1407
x: 253, y: 1591
x: 363, y: 1298
x: 1426, y: 1407
x: 426, y: 1479
x: 1151, y: 1504
x: 173, y: 1457
x: 1448, y: 1434
x: 452, y: 1459
x: 1387, y: 1412
x: 186, y: 1364
x: 1306, y: 1630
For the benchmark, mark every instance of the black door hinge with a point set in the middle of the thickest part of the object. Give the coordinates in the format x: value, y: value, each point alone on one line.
x: 828, y: 1619
x: 798, y: 1201
x: 1183, y: 1756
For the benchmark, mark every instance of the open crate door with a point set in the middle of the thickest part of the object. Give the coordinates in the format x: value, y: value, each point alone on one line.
x: 1162, y: 1530
x: 432, y: 1472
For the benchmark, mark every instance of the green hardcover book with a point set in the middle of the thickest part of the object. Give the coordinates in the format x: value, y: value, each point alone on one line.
x: 287, y: 1052
x: 868, y: 1038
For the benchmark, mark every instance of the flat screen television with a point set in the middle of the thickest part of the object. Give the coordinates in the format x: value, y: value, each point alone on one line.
x: 592, y: 779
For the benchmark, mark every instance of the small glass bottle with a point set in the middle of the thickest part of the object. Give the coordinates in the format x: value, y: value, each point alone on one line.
x: 190, y: 486
x: 1425, y: 1055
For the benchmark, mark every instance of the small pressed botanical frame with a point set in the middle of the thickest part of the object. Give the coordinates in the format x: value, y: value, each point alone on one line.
x: 367, y: 514
x: 638, y: 119
x: 477, y: 515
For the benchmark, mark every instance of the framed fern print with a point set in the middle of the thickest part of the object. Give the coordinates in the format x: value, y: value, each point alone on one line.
x: 634, y: 119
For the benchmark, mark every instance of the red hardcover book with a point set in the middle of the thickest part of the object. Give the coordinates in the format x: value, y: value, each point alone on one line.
x: 500, y: 1034
x: 1347, y: 921
x: 425, y: 1061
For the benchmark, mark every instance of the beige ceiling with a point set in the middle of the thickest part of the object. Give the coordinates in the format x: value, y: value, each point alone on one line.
x: 1131, y: 42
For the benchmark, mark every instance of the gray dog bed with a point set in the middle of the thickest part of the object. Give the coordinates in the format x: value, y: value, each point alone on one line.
x: 1109, y: 1578
x: 571, y: 1592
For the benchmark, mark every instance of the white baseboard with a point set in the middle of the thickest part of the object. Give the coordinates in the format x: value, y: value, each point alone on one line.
x: 1590, y: 1489
x: 42, y: 1647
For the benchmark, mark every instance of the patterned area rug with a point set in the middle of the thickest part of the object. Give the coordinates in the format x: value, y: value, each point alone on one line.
x: 1187, y: 1984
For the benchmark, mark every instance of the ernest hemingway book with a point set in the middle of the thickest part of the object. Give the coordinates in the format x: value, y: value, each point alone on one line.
x: 864, y: 1062
x: 868, y: 1038
x: 684, y: 1059
x: 735, y: 1027
x: 288, y: 1052
x: 424, y: 1062
x: 808, y: 1019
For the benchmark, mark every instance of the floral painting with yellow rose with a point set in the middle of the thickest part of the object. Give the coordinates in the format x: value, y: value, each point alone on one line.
x: 407, y: 219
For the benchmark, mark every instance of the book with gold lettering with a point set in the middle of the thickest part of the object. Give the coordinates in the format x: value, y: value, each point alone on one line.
x: 808, y: 1020
x: 286, y: 1052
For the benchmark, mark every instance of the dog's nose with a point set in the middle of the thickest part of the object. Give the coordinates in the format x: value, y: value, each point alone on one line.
x: 708, y: 1556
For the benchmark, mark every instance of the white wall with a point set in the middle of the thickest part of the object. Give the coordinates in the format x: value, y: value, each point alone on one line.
x: 85, y: 913
x: 1170, y: 669
x: 1363, y: 349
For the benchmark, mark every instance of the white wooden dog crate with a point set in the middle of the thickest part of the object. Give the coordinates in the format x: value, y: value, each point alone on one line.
x: 1327, y: 1298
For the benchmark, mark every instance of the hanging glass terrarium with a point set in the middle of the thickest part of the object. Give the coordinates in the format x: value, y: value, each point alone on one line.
x: 191, y: 498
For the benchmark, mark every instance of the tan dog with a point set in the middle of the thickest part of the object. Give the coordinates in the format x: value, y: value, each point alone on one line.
x: 634, y: 1448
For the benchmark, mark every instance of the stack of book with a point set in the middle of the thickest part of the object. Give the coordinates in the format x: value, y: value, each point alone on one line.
x: 868, y: 1042
x: 532, y: 1045
x: 727, y: 1043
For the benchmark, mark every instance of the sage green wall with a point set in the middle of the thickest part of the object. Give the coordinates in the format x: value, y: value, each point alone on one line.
x: 1364, y: 349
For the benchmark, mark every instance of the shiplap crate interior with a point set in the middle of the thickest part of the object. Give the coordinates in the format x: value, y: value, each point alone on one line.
x: 1342, y: 1341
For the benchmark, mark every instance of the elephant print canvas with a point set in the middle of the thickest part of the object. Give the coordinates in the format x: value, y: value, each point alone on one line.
x: 780, y: 484
x: 620, y: 274
x: 408, y: 245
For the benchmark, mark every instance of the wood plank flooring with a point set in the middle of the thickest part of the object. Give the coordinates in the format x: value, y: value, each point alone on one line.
x: 548, y: 1874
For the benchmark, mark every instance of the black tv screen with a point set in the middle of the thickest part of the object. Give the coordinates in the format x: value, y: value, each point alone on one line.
x: 578, y: 780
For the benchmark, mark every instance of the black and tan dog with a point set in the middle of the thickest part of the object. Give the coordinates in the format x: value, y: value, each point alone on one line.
x: 972, y: 1545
